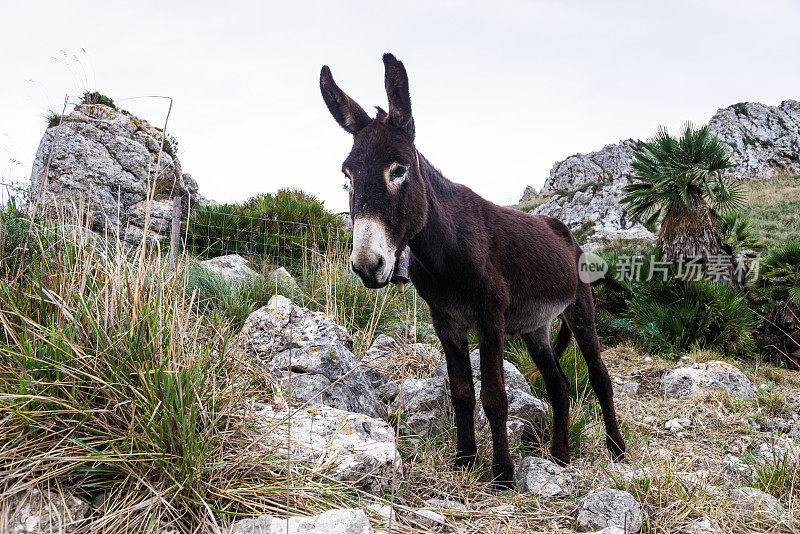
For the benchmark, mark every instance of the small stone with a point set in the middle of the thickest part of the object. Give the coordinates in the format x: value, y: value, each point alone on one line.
x: 446, y: 504
x: 686, y: 361
x: 749, y: 500
x: 678, y: 424
x: 795, y: 433
x: 700, y: 526
x: 649, y: 420
x: 344, y: 521
x: 34, y: 512
x: 628, y: 389
x: 428, y: 519
x: 610, y: 507
x: 543, y: 478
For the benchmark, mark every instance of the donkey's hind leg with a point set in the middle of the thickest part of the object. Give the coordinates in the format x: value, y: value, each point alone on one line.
x: 541, y: 352
x: 580, y: 318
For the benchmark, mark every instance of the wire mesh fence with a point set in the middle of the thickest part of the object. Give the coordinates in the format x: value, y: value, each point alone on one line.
x: 209, y: 233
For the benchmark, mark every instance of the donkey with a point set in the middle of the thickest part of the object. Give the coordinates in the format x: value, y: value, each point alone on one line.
x: 478, y: 266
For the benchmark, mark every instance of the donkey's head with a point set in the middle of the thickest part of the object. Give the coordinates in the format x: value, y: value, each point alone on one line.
x: 388, y: 201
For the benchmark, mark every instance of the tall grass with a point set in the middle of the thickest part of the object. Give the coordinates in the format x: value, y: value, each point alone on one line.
x: 112, y: 384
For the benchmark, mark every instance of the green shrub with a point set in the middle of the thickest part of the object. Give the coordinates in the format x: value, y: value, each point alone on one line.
x: 677, y: 316
x: 14, y: 231
x: 277, y: 228
x: 93, y: 98
x: 776, y: 293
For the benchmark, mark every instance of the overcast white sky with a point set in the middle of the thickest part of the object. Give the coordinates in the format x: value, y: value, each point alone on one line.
x: 499, y: 92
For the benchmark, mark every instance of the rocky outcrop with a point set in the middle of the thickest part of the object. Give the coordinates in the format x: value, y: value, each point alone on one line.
x: 349, y: 447
x: 105, y: 163
x: 710, y: 376
x: 765, y: 139
x: 585, y: 190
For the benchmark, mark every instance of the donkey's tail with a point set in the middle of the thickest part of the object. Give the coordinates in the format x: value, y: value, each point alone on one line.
x: 562, y: 339
x: 560, y: 345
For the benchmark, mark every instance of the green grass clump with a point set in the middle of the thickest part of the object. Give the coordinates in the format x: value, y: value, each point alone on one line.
x: 53, y: 118
x: 94, y: 98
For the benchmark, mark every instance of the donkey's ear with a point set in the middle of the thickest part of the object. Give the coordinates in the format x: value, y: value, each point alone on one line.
x: 344, y: 109
x: 396, y: 81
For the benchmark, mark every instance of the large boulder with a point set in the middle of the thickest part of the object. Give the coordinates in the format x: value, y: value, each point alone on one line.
x: 610, y: 508
x: 108, y: 162
x: 709, y: 376
x: 350, y: 447
x: 34, y: 512
x: 345, y: 521
x: 232, y: 266
x: 311, y: 356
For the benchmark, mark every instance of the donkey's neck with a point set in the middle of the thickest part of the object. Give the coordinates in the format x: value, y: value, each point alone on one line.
x: 438, y: 236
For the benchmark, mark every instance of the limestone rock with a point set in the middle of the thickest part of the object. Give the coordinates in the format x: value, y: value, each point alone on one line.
x: 34, y: 512
x: 232, y: 266
x: 610, y: 508
x: 351, y: 447
x: 106, y: 162
x: 543, y: 478
x: 701, y: 526
x: 749, y: 500
x: 345, y: 521
x: 795, y: 433
x: 280, y: 325
x: 311, y: 355
x: 424, y: 404
x: 713, y: 375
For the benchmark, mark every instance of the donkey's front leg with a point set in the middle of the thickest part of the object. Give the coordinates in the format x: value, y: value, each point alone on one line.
x: 462, y: 390
x: 493, y: 395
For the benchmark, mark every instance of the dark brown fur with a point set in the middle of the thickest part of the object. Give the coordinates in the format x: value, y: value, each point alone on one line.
x: 479, y: 267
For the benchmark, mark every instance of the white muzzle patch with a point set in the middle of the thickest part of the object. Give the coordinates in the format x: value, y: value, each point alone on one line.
x: 373, y: 254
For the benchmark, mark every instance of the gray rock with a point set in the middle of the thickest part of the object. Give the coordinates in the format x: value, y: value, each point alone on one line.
x: 446, y: 504
x: 309, y: 354
x: 795, y: 433
x: 424, y: 404
x: 346, y: 521
x: 283, y: 278
x: 279, y: 326
x: 610, y: 507
x: 158, y: 213
x: 700, y: 526
x: 427, y: 519
x: 713, y: 375
x: 751, y: 500
x: 232, y: 266
x: 779, y: 451
x: 105, y: 162
x: 527, y: 415
x: 543, y: 478
x: 627, y: 389
x: 351, y: 447
x: 678, y: 424
x: 34, y: 512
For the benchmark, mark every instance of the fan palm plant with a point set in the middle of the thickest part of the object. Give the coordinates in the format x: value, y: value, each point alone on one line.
x: 679, y: 183
x: 778, y: 289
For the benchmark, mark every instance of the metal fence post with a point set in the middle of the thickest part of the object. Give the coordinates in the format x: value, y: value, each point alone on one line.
x: 175, y: 233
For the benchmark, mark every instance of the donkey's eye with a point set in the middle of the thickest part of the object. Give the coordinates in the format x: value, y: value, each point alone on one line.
x: 398, y: 172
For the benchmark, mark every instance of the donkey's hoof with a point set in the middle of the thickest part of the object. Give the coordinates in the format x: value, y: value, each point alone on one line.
x: 560, y: 456
x: 466, y: 461
x: 503, y: 476
x: 616, y: 448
